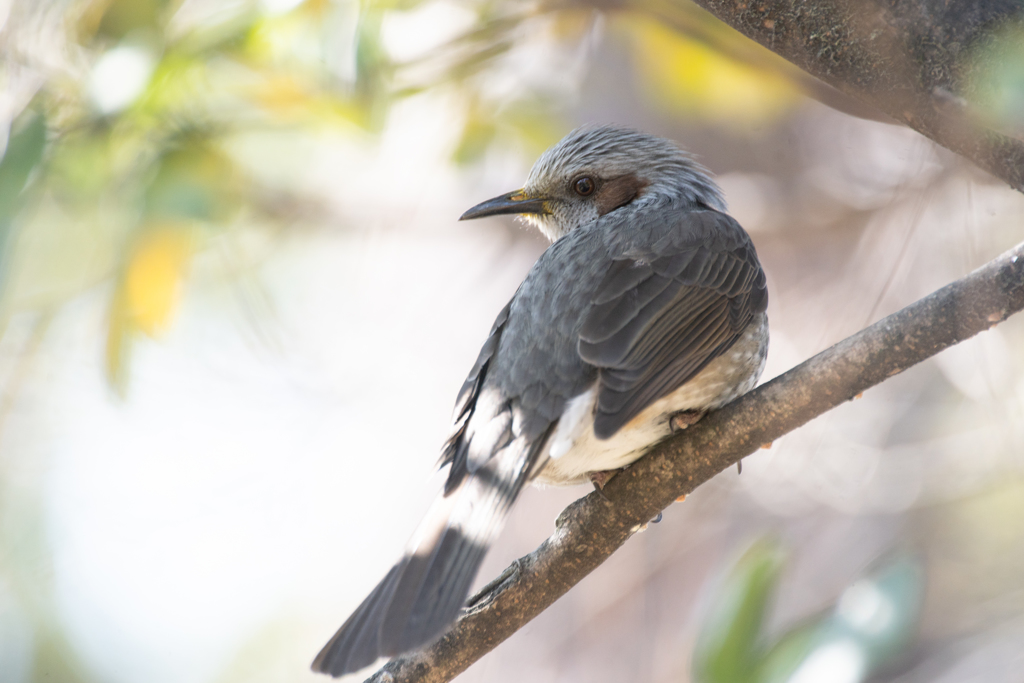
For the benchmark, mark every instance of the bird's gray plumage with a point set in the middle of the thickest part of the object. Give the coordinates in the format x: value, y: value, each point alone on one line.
x: 647, y: 285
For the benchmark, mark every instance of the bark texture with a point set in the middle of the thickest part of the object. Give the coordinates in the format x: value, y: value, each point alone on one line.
x: 915, y: 60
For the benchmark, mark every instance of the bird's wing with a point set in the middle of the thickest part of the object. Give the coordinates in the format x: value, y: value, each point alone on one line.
x: 455, y: 452
x: 423, y: 593
x: 662, y: 314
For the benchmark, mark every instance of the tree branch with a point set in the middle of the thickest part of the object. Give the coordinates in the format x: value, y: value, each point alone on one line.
x: 592, y: 528
x: 914, y: 60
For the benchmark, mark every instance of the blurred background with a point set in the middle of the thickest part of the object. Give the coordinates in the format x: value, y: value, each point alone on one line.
x: 236, y: 307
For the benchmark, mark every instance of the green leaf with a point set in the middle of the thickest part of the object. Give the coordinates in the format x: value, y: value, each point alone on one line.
x: 194, y: 181
x: 55, y: 659
x: 788, y: 653
x: 998, y: 80
x: 23, y: 154
x: 121, y: 17
x: 119, y: 344
x: 728, y: 647
x: 373, y: 71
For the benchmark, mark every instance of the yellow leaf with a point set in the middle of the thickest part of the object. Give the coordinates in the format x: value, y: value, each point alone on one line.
x: 290, y: 98
x: 282, y: 93
x: 147, y: 294
x: 689, y: 76
x: 152, y: 279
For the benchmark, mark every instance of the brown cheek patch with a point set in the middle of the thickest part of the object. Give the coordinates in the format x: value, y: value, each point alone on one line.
x: 618, y: 191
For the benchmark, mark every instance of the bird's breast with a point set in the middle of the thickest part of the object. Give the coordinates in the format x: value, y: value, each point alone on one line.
x: 574, y: 451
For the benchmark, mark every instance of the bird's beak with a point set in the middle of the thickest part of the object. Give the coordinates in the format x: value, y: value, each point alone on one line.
x: 513, y: 202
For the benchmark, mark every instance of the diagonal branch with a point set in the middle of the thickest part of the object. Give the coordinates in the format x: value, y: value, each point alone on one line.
x: 591, y: 529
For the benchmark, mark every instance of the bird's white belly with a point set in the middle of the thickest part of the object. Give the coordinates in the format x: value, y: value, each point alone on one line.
x: 574, y: 452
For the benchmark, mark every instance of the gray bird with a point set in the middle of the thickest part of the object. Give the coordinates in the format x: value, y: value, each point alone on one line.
x: 647, y: 310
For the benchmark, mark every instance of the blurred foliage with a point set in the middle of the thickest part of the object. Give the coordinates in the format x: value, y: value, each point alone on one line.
x: 147, y: 292
x: 115, y: 19
x: 872, y: 622
x: 146, y: 94
x: 56, y: 660
x: 24, y: 152
x: 688, y: 75
x: 729, y: 642
x: 999, y: 79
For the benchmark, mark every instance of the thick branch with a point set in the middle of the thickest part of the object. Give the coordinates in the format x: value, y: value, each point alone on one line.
x: 591, y: 529
x: 913, y: 59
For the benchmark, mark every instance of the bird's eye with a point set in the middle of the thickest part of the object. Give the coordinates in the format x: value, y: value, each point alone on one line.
x: 584, y: 186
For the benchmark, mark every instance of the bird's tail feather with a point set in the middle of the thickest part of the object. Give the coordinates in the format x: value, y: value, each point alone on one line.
x: 423, y: 593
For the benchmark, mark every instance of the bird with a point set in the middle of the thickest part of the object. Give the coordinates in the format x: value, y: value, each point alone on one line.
x: 647, y: 310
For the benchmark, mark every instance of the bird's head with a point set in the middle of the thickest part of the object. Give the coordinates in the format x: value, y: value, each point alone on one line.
x: 594, y: 171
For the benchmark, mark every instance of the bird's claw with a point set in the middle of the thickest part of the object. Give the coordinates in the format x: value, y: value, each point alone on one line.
x: 601, y: 479
x: 685, y: 418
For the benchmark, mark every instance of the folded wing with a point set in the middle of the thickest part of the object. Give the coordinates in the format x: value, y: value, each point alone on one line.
x: 660, y: 316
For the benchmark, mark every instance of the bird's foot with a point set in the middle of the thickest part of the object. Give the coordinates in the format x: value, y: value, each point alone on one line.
x: 683, y: 419
x: 640, y: 528
x: 601, y: 479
